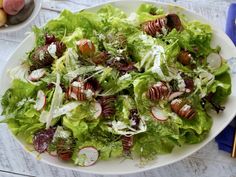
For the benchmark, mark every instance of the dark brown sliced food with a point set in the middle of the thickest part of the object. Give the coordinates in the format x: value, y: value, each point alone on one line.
x: 182, y: 109
x: 162, y: 25
x: 42, y: 58
x: 184, y: 58
x: 173, y: 21
x: 108, y: 105
x: 158, y: 91
x: 156, y: 27
x: 61, y: 48
x: 82, y: 90
x: 127, y: 143
x: 64, y: 148
x: 176, y: 105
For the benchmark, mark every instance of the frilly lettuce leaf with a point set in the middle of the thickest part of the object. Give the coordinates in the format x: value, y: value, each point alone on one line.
x: 18, y: 91
x: 124, y: 105
x: 221, y: 87
x: 195, y: 130
x: 106, y: 150
x: 110, y: 12
x: 148, y: 12
x: 68, y: 22
x: 141, y: 85
x: 18, y: 108
x: 160, y: 138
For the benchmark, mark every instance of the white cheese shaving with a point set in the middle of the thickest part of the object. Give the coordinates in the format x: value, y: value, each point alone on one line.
x: 61, y: 133
x: 52, y: 49
x: 125, y: 77
x: 121, y: 128
x: 25, y: 100
x: 77, y: 84
x: 89, y: 94
x: 41, y: 55
x: 158, y: 52
x: 181, y: 83
x: 47, y: 116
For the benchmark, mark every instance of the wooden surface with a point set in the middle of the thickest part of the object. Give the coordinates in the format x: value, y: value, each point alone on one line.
x: 208, y: 162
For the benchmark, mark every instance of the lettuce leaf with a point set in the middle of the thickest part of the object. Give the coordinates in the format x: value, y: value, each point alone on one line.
x: 221, y: 87
x: 141, y: 85
x: 18, y: 91
x: 24, y: 121
x: 68, y: 22
x: 160, y: 138
x: 148, y: 12
x: 110, y: 12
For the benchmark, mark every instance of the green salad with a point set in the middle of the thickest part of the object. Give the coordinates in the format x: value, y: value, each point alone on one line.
x: 109, y: 84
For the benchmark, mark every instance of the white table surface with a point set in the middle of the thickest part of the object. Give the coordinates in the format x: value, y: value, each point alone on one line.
x: 207, y: 162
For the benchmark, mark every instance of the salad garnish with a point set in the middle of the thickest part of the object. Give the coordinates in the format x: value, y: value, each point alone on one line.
x: 106, y: 84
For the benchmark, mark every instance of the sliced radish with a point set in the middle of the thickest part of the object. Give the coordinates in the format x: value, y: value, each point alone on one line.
x: 37, y: 74
x: 98, y: 109
x: 158, y: 114
x: 87, y: 156
x: 214, y: 60
x: 174, y: 95
x: 40, y: 101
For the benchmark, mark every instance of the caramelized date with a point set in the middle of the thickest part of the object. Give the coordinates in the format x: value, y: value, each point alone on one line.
x: 127, y: 143
x: 156, y: 27
x: 184, y: 58
x: 108, y: 105
x: 158, y: 91
x: 182, y: 109
x: 162, y: 25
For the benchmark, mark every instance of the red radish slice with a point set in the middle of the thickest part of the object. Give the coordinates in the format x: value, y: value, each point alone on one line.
x: 214, y: 60
x: 87, y: 156
x: 158, y: 114
x: 98, y: 109
x: 37, y: 74
x: 174, y: 95
x: 40, y: 101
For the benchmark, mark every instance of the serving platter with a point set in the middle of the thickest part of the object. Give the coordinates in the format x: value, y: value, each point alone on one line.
x: 126, y: 166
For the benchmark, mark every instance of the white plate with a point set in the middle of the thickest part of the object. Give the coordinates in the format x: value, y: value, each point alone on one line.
x: 121, y: 166
x: 12, y: 28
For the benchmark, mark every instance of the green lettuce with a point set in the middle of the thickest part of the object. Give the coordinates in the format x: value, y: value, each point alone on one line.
x: 110, y: 12
x: 18, y: 91
x: 148, y: 12
x: 141, y: 85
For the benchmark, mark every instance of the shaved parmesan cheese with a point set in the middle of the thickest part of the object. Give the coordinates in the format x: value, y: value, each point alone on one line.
x: 52, y: 49
x: 121, y: 128
x: 47, y: 116
x: 61, y: 133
